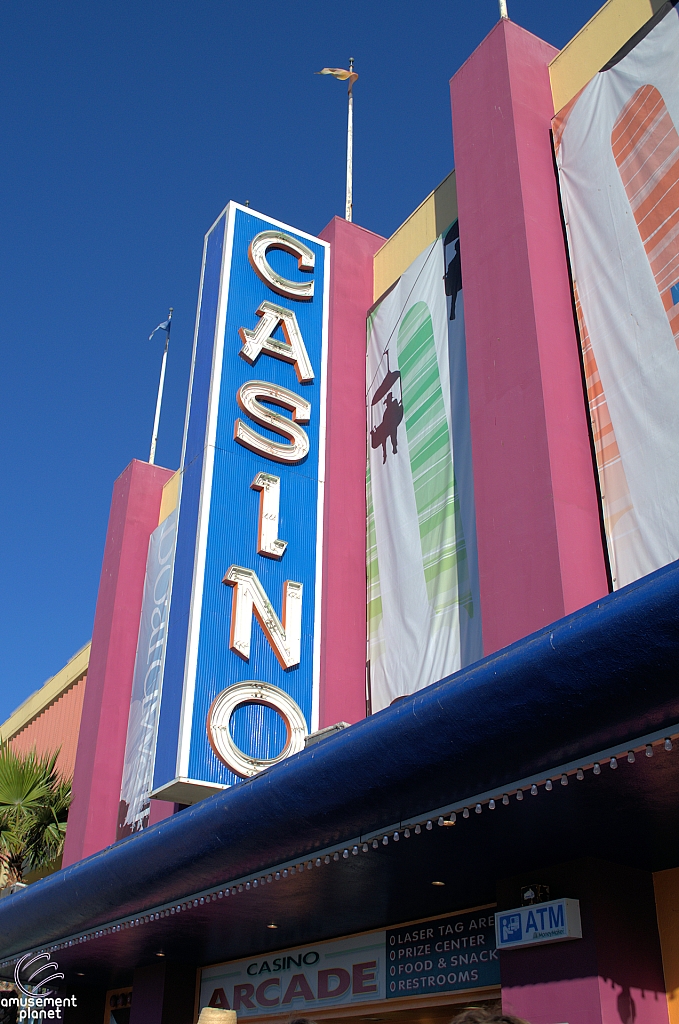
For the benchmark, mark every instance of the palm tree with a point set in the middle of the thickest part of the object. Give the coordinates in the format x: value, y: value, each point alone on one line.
x: 34, y: 803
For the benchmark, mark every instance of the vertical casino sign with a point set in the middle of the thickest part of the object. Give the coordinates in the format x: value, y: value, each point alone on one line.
x: 240, y: 687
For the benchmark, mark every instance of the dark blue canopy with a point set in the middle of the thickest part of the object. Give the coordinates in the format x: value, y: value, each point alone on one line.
x: 591, y: 685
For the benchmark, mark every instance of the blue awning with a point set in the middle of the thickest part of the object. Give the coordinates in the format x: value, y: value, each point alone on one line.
x: 590, y: 686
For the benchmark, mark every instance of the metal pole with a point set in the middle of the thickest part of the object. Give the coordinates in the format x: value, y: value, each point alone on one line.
x: 503, y: 9
x: 350, y: 149
x: 159, y: 400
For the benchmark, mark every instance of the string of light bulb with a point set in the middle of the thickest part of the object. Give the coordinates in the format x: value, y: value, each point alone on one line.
x: 445, y: 817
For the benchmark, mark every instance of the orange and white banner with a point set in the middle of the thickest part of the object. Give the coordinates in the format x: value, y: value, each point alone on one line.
x: 617, y: 147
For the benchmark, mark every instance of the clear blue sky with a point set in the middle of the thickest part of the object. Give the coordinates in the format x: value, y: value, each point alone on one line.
x: 125, y: 129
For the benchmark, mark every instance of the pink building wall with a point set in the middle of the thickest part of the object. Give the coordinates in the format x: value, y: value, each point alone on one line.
x: 539, y: 538
x: 343, y: 629
x: 55, y: 728
x: 101, y: 745
x: 613, y: 974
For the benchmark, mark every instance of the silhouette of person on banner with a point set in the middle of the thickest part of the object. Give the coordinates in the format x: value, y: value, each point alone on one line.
x: 453, y: 276
x: 388, y: 428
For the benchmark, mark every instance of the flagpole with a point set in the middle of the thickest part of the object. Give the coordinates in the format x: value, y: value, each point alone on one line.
x: 161, y: 385
x: 503, y: 9
x: 350, y: 149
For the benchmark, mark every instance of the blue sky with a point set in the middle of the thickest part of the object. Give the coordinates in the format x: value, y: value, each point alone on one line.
x: 125, y: 129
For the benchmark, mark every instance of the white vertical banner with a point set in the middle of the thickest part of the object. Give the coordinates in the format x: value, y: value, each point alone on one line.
x: 423, y: 603
x: 149, y: 664
x: 617, y: 146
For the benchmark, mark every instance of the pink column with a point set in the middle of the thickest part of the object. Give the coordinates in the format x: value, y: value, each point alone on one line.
x: 613, y: 974
x: 343, y: 630
x: 539, y: 539
x: 101, y: 744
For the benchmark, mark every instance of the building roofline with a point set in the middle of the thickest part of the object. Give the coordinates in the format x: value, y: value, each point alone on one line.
x: 49, y: 692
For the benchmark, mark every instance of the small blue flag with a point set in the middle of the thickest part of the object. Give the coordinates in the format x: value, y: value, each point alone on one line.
x: 161, y: 327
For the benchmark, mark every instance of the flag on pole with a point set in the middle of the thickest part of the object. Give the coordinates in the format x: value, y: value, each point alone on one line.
x: 165, y: 326
x: 340, y: 73
x: 343, y: 75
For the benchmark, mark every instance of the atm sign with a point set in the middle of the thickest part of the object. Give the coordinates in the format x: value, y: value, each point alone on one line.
x: 538, y: 923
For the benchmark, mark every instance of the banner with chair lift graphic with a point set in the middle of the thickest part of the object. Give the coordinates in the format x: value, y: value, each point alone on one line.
x: 424, y: 619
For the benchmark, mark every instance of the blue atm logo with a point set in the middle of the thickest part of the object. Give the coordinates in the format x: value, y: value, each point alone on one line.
x: 243, y: 655
x: 510, y: 928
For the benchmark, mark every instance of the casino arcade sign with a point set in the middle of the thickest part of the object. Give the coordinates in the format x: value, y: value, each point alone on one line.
x: 240, y: 687
x: 455, y: 953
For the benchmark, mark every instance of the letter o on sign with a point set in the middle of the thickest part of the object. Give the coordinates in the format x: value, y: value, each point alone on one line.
x: 253, y: 691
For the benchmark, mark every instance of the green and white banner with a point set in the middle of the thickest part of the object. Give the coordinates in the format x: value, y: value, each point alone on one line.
x: 423, y: 596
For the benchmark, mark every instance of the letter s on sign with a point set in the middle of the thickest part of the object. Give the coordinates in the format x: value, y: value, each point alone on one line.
x: 248, y: 398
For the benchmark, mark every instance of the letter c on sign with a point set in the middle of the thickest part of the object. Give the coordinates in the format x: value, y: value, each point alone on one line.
x: 259, y: 247
x: 262, y: 997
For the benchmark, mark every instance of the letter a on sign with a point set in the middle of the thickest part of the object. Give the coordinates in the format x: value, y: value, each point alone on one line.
x: 292, y: 350
x: 250, y: 598
x: 219, y: 1000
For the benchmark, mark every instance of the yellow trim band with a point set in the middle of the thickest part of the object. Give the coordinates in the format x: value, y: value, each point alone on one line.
x: 594, y: 45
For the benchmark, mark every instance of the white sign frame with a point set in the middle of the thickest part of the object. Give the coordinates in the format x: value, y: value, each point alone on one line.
x: 537, y: 924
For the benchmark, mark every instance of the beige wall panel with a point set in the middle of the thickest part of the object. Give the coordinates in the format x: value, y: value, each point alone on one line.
x: 595, y: 44
x: 423, y: 225
x: 168, y: 502
x: 445, y: 204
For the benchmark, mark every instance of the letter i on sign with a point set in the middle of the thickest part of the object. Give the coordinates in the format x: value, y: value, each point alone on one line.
x: 269, y: 488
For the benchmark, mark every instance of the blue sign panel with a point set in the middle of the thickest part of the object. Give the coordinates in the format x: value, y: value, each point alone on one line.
x: 446, y: 955
x: 241, y: 672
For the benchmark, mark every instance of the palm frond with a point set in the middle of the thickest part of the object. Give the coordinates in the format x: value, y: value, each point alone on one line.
x: 34, y: 802
x: 24, y: 780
